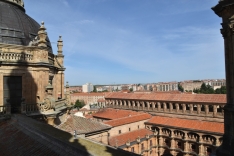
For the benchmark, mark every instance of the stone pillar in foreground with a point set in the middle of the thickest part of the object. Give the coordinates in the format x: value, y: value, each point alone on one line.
x: 225, y: 10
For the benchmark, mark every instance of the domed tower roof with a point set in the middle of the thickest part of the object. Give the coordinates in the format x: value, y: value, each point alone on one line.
x: 16, y: 27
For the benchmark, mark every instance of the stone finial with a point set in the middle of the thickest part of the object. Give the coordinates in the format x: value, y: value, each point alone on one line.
x: 128, y: 143
x: 60, y: 46
x: 138, y: 139
x: 67, y: 85
x: 42, y: 36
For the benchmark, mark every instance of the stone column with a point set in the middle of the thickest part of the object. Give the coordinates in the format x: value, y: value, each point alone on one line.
x: 153, y: 105
x: 159, y: 106
x: 225, y: 9
x: 198, y: 109
x: 214, y: 110
x: 164, y: 106
x: 191, y: 108
x: 148, y: 105
x: 173, y: 143
x: 206, y: 110
x: 143, y: 105
x: 185, y: 142
x: 171, y: 107
x: 177, y: 107
x: 201, y: 147
x: 183, y: 108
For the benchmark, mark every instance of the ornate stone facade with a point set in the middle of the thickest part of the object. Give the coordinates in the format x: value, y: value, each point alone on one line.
x: 31, y: 76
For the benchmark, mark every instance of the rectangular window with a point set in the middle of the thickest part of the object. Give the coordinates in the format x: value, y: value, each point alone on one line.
x: 119, y: 131
x: 132, y: 149
x: 138, y: 127
x: 129, y: 129
x: 142, y: 146
x: 151, y: 143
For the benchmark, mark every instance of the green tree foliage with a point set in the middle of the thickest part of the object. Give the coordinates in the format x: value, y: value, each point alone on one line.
x: 207, y: 89
x: 180, y: 88
x: 94, y: 89
x: 79, y: 104
x: 131, y: 90
x: 221, y: 90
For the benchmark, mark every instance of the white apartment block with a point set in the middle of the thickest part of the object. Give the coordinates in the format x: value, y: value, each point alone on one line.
x: 87, y: 88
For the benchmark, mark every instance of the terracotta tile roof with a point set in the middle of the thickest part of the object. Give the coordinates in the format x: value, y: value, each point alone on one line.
x: 88, y: 94
x: 202, y: 98
x: 109, y: 113
x: 88, y: 116
x: 131, y: 136
x: 168, y: 92
x: 82, y: 125
x: 101, y: 100
x: 127, y: 120
x: 188, y: 124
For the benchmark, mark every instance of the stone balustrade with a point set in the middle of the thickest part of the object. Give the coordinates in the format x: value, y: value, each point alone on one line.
x: 28, y: 54
x: 11, y: 56
x: 5, y: 110
x: 31, y: 108
x: 192, y: 109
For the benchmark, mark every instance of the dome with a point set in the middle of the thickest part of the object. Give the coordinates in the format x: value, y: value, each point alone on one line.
x: 16, y: 27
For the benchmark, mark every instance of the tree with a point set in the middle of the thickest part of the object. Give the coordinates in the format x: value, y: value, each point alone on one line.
x: 79, y: 104
x: 94, y: 89
x: 221, y: 90
x: 180, y: 88
x: 131, y: 90
x: 205, y: 89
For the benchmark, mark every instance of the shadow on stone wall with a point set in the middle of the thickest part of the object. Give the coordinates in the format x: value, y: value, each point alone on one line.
x: 19, y: 84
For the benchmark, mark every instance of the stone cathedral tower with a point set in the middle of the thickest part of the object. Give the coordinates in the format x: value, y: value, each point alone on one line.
x: 30, y: 73
x: 225, y: 10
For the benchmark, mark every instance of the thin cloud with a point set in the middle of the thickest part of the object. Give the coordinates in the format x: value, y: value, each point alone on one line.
x: 65, y: 2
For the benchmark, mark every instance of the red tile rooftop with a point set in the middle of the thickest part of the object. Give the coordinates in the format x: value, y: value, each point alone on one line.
x: 88, y: 94
x: 131, y: 136
x: 195, y: 125
x: 127, y: 120
x: 194, y: 98
x: 111, y: 114
x: 101, y: 100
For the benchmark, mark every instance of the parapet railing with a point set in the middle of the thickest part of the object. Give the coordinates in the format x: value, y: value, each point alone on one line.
x: 31, y: 108
x: 214, y: 110
x: 5, y: 110
x: 44, y: 106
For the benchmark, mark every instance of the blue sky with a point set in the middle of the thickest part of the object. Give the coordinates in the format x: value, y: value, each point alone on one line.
x: 134, y: 41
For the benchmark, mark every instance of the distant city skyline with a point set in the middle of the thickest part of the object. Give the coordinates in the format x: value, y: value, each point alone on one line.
x: 131, y: 41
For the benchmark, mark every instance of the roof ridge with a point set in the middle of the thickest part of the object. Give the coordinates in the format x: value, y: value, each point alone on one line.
x: 129, y: 116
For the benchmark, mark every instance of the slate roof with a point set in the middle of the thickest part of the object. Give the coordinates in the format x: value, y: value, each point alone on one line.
x: 82, y: 125
x: 25, y: 136
x: 193, y: 98
x: 129, y: 119
x: 195, y: 125
x: 14, y: 141
x: 131, y: 136
x: 109, y: 113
